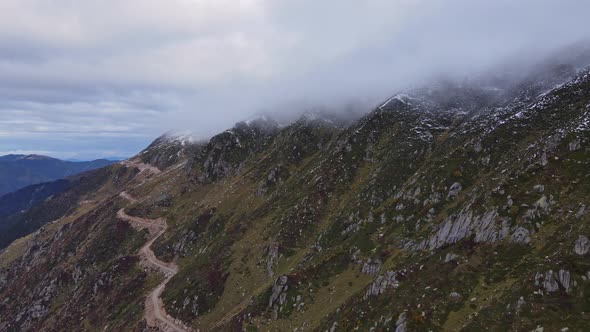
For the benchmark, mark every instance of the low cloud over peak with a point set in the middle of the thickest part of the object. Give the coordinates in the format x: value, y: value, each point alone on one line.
x: 104, y: 72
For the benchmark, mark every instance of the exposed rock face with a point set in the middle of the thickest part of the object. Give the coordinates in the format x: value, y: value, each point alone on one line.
x: 547, y: 281
x: 275, y: 177
x: 192, y: 303
x: 454, y: 189
x: 105, y: 280
x: 226, y: 152
x: 564, y: 279
x: 279, y: 295
x: 581, y: 211
x: 272, y: 258
x: 539, y: 208
x: 43, y: 295
x: 382, y: 283
x: 371, y: 267
x: 551, y: 281
x: 333, y: 327
x: 182, y: 246
x: 582, y: 245
x: 218, y: 162
x: 450, y: 257
x: 401, y: 323
x: 574, y: 145
x: 170, y: 149
x: 77, y: 274
x: 3, y: 280
x: 521, y: 235
x: 461, y: 225
x: 477, y: 146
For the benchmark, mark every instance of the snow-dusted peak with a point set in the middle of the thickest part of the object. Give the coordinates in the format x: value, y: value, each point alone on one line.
x: 183, y: 138
x: 258, y: 118
x: 402, y: 97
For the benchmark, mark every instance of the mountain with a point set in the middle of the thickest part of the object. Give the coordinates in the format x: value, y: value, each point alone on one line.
x: 19, y: 171
x: 456, y: 206
x: 22, y: 212
x: 11, y: 157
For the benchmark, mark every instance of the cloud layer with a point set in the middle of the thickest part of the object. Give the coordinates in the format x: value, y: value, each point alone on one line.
x: 97, y: 78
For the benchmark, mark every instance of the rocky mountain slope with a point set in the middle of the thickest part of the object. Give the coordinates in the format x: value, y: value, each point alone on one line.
x: 452, y: 207
x: 19, y: 171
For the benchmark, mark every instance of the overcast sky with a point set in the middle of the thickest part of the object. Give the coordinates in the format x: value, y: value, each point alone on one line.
x: 102, y: 78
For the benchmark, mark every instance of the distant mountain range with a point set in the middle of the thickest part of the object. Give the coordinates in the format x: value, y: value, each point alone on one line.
x: 19, y: 171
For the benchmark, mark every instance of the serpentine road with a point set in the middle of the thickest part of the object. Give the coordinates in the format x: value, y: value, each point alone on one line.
x: 155, y: 313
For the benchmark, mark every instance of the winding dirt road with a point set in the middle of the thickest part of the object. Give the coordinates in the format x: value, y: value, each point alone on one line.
x: 143, y: 168
x: 128, y: 197
x: 155, y: 313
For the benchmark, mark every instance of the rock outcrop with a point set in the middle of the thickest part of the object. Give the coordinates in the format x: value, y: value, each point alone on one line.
x: 551, y: 281
x: 459, y: 226
x: 371, y: 267
x: 382, y: 283
x: 278, y: 296
x: 454, y: 190
x: 582, y: 245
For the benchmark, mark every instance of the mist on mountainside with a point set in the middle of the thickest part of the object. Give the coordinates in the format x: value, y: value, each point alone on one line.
x: 457, y: 42
x: 76, y: 83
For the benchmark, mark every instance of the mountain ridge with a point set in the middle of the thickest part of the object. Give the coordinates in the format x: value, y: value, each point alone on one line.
x: 452, y: 208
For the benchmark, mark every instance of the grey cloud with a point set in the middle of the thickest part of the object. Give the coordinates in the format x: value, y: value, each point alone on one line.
x: 138, y: 68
